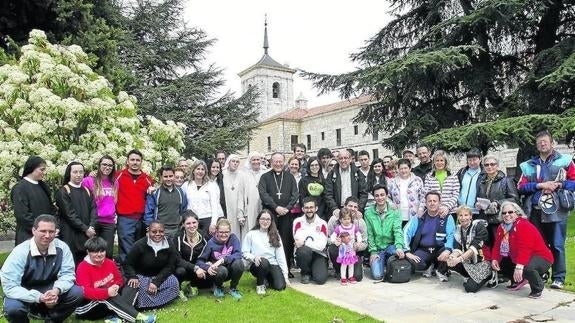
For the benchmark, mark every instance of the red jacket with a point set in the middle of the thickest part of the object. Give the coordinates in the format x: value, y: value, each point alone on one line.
x: 95, y: 280
x: 132, y: 194
x: 525, y: 241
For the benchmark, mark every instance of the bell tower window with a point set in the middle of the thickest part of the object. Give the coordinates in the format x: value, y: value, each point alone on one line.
x: 276, y: 90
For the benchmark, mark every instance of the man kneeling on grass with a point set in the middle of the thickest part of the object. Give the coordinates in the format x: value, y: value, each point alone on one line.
x: 38, y: 277
x: 310, y: 236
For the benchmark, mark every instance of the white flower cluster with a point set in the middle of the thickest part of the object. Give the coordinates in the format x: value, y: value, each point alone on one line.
x: 54, y: 105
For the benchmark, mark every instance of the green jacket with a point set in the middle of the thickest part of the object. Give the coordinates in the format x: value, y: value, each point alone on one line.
x: 381, y: 234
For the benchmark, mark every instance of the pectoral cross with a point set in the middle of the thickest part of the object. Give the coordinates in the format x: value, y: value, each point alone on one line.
x: 279, y: 194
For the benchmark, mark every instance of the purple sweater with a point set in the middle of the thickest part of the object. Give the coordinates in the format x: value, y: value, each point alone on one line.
x: 216, y: 250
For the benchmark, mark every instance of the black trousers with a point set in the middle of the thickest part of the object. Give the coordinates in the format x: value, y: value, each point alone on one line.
x: 272, y: 273
x: 232, y: 272
x: 333, y: 251
x: 107, y: 231
x: 470, y: 285
x: 428, y: 258
x: 204, y: 227
x: 185, y: 272
x: 285, y: 229
x: 312, y: 263
x: 536, y: 267
x: 122, y: 305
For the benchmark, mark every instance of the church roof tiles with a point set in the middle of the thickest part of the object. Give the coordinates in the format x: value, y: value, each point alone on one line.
x: 297, y: 114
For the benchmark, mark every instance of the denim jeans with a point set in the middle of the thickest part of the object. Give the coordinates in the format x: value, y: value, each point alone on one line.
x: 554, y: 234
x: 17, y: 310
x: 557, y: 241
x: 378, y: 266
x: 127, y: 229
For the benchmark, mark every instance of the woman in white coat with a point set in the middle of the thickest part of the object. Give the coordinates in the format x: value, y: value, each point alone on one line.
x: 254, y: 170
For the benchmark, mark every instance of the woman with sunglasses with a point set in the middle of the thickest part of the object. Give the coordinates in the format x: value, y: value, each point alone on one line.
x: 103, y: 188
x: 262, y: 247
x: 494, y: 186
x: 519, y: 252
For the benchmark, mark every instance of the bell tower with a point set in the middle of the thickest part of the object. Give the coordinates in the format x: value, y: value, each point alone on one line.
x: 273, y: 80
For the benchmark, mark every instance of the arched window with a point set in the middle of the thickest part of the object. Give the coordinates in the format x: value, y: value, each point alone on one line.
x: 276, y: 90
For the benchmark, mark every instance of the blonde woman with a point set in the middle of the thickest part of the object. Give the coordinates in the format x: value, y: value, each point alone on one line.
x: 440, y: 179
x: 203, y: 197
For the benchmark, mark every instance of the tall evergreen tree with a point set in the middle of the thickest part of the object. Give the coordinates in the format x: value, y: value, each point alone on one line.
x: 444, y: 64
x: 167, y: 58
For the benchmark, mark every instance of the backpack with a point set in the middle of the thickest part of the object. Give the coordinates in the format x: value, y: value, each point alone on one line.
x: 566, y: 199
x: 398, y: 270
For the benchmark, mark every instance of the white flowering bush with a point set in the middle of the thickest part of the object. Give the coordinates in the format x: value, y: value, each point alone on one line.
x: 53, y: 105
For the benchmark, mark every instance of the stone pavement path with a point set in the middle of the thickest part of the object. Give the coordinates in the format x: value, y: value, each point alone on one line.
x: 427, y: 300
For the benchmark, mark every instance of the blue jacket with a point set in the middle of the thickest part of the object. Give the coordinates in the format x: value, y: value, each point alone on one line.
x: 548, y: 171
x: 26, y: 270
x: 412, y: 233
x: 151, y: 212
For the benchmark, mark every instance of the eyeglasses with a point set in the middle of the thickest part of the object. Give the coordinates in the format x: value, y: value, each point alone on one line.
x: 332, y: 165
x: 490, y: 164
x: 265, y: 220
x: 223, y: 232
x: 107, y: 165
x: 507, y: 212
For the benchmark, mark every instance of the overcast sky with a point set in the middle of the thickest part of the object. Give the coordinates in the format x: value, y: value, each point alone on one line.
x: 313, y: 35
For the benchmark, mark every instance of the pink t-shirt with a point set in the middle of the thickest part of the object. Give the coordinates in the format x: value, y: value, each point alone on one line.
x: 105, y: 204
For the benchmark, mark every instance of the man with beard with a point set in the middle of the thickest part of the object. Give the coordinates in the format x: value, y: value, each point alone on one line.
x: 132, y: 185
x: 279, y: 193
x: 310, y: 236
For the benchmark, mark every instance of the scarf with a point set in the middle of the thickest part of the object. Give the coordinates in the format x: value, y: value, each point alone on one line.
x: 504, y: 248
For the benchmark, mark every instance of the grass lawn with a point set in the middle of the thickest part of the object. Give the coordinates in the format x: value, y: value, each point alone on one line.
x: 570, y: 253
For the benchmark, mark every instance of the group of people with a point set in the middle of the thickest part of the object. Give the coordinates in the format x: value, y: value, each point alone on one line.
x: 206, y: 222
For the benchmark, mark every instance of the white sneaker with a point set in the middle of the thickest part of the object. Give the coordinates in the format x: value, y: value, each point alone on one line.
x: 441, y: 277
x: 261, y: 289
x: 428, y: 271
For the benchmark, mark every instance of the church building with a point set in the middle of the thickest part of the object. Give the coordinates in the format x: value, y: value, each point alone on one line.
x: 285, y: 122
